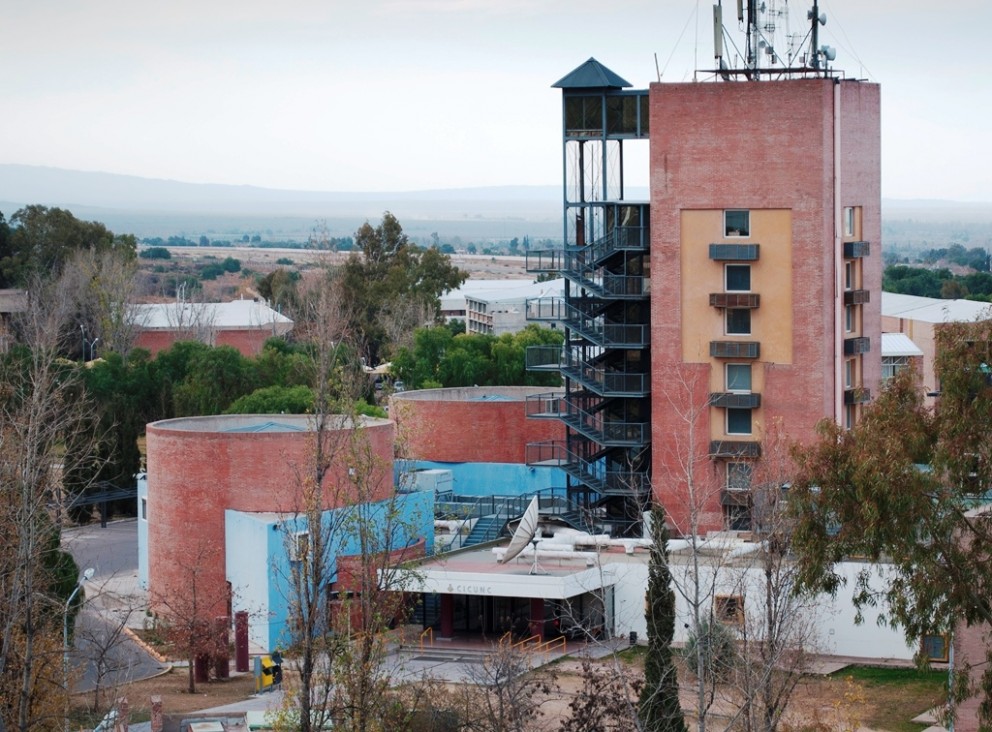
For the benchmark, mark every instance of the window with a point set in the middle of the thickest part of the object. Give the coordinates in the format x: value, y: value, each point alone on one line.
x: 299, y: 547
x: 737, y: 223
x: 849, y: 373
x: 892, y: 365
x: 738, y: 321
x: 935, y: 648
x: 848, y: 318
x: 737, y: 518
x: 848, y: 275
x: 737, y: 278
x: 850, y: 417
x: 739, y: 377
x: 849, y: 221
x: 738, y: 421
x: 739, y: 476
x: 144, y: 508
x: 729, y: 609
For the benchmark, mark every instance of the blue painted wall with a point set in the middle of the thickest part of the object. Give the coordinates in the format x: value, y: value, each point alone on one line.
x: 258, y: 561
x: 502, y: 479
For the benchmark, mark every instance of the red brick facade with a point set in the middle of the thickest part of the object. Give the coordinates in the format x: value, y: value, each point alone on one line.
x: 766, y: 146
x: 472, y: 424
x: 198, y: 468
x: 248, y: 341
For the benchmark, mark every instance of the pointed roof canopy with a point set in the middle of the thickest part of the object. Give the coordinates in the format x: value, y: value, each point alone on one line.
x: 591, y: 75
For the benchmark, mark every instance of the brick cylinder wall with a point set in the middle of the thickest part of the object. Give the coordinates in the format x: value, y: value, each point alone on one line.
x: 197, y: 469
x: 471, y: 424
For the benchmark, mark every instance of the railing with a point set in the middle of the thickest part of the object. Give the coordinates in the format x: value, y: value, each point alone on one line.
x: 544, y: 406
x: 592, y: 473
x: 602, y: 381
x: 544, y: 260
x: 606, y: 432
x: 430, y: 634
x: 536, y: 639
x: 543, y: 357
x: 560, y: 643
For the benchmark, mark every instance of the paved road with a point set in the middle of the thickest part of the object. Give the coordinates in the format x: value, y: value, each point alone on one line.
x: 103, y: 651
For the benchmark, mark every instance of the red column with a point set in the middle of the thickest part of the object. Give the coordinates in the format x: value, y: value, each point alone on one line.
x: 447, y: 616
x: 537, y: 617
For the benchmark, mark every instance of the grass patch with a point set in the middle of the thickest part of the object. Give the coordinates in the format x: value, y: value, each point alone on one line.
x: 897, y: 694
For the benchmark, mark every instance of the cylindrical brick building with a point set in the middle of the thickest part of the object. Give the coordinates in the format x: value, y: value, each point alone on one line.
x: 472, y: 424
x: 199, y: 467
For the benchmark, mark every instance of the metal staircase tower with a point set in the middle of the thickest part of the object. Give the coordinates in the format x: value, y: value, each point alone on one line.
x: 605, y: 360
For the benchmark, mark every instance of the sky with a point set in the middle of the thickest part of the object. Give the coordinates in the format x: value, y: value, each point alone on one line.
x: 407, y: 95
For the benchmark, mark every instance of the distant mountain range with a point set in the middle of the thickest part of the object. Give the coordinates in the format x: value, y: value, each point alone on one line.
x: 150, y: 207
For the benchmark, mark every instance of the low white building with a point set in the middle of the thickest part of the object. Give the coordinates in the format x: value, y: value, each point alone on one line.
x: 500, y: 306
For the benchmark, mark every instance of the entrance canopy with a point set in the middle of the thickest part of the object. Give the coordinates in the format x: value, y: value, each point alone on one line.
x: 475, y: 571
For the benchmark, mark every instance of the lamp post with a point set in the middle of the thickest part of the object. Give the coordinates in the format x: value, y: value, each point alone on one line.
x: 82, y: 333
x: 87, y: 574
x: 93, y: 347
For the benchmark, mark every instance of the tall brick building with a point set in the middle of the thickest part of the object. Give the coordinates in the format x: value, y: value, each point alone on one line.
x: 740, y: 303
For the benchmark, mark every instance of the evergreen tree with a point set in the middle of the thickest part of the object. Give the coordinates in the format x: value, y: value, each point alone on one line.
x: 659, y: 704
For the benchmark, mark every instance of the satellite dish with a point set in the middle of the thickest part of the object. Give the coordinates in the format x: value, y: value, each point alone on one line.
x: 524, y: 533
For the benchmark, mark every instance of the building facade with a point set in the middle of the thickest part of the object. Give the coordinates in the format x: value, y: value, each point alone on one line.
x: 738, y: 306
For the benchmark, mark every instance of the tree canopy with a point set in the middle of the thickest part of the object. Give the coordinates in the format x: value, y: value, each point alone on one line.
x: 39, y: 240
x: 390, y: 284
x: 904, y: 487
x: 439, y: 358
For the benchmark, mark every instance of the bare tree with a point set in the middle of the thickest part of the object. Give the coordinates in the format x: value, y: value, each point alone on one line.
x: 504, y: 694
x: 190, y: 606
x: 101, y: 638
x: 40, y: 404
x: 104, y: 285
x: 343, y: 503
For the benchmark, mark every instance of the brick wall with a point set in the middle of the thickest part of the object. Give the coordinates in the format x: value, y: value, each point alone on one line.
x: 455, y: 425
x: 196, y: 471
x: 766, y: 145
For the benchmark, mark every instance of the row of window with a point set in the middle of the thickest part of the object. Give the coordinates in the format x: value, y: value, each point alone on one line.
x: 737, y: 222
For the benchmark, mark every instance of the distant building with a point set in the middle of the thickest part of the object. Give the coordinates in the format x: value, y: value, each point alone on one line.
x: 920, y: 318
x: 496, y: 307
x: 11, y: 302
x: 242, y: 324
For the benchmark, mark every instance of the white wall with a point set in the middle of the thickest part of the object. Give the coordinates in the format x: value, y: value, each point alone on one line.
x: 837, y: 633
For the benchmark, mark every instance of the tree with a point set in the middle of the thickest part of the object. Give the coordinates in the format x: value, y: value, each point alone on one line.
x: 217, y: 377
x: 660, y: 710
x: 390, y: 274
x: 504, y: 694
x: 902, y: 488
x: 189, y: 609
x: 39, y: 406
x: 41, y: 240
x: 603, y: 703
x: 343, y: 502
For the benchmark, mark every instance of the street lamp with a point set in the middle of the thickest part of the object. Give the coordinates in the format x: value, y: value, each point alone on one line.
x: 93, y: 347
x: 87, y: 574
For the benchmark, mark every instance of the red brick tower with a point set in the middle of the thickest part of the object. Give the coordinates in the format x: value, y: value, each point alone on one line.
x: 765, y: 278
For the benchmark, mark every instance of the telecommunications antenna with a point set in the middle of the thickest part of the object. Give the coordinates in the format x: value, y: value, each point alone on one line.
x: 525, y: 533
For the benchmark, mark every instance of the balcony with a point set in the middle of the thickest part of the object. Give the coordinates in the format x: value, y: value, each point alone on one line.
x: 547, y: 405
x: 602, y: 381
x: 854, y: 346
x: 735, y: 299
x: 857, y: 297
x: 734, y: 252
x: 856, y: 249
x: 604, y: 430
x: 732, y: 400
x: 594, y: 474
x: 543, y: 358
x: 544, y: 260
x: 734, y: 449
x: 735, y: 349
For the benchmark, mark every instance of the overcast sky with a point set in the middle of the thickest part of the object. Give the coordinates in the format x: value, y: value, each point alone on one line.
x: 399, y: 95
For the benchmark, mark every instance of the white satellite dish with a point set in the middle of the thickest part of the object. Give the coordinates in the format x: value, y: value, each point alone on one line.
x: 524, y: 534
